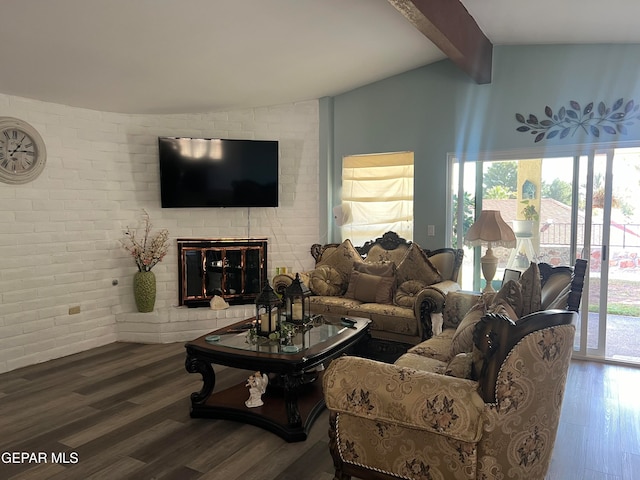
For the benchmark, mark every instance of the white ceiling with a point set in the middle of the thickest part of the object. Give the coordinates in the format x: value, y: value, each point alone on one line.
x: 184, y: 56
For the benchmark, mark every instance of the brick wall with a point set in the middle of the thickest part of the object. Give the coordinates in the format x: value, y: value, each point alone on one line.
x: 59, y: 234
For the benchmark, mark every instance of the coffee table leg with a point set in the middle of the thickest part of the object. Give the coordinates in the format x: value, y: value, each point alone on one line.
x: 193, y: 364
x: 292, y: 384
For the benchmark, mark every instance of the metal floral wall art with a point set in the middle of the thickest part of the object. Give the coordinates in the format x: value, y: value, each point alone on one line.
x: 569, y: 120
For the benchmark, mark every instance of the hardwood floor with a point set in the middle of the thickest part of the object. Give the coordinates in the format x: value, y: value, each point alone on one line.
x: 122, y: 412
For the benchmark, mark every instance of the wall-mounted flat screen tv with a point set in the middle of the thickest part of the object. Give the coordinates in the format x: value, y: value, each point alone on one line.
x: 210, y: 172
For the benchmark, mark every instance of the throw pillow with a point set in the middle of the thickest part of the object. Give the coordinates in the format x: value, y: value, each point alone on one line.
x: 531, y: 290
x: 416, y: 266
x: 460, y: 366
x: 456, y: 306
x: 378, y: 254
x: 407, y: 291
x: 510, y: 293
x: 343, y: 258
x: 370, y: 288
x: 502, y: 307
x: 327, y: 281
x: 381, y: 269
x: 462, y: 340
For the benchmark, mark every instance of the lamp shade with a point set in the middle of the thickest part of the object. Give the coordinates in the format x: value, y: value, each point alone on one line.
x: 490, y: 228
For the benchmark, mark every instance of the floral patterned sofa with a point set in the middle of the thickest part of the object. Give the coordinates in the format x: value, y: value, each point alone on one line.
x: 391, y: 281
x: 491, y: 412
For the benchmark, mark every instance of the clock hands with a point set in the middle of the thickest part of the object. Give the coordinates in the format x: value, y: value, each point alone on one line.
x: 18, y: 146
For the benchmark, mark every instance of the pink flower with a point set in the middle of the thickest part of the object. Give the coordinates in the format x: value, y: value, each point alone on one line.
x: 150, y: 250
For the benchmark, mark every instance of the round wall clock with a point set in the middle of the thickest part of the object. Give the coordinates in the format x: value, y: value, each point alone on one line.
x: 22, y: 151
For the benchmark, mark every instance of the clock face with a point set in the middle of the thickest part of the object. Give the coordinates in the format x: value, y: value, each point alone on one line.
x: 22, y: 151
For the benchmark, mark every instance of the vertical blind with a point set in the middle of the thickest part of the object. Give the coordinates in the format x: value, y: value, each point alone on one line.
x: 377, y: 190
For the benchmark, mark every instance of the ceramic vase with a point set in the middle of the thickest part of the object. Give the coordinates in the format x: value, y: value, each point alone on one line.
x: 144, y: 291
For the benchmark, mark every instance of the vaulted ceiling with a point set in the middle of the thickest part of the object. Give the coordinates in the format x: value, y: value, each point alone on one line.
x: 184, y: 56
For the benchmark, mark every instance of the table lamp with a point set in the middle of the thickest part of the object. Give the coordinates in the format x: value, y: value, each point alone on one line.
x: 491, y: 229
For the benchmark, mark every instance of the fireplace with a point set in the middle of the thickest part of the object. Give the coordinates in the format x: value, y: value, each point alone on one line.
x: 234, y: 269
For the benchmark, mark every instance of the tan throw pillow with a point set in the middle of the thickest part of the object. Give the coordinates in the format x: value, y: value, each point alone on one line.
x: 462, y: 340
x: 343, y: 258
x: 407, y: 291
x: 416, y: 266
x: 456, y: 306
x: 503, y: 308
x: 326, y: 281
x: 531, y: 290
x: 511, y: 293
x: 381, y: 269
x: 370, y: 288
x: 378, y: 254
x: 460, y: 366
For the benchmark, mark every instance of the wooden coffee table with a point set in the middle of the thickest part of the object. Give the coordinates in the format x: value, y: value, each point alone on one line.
x: 294, y: 398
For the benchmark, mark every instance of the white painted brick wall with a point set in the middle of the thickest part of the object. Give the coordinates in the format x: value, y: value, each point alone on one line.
x: 59, y: 234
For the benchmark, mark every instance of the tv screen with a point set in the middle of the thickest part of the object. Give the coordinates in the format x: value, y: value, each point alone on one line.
x: 210, y: 172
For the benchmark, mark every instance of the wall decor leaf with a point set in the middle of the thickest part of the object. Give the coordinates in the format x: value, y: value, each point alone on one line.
x: 588, y: 108
x: 593, y: 122
x: 602, y: 108
x: 629, y: 106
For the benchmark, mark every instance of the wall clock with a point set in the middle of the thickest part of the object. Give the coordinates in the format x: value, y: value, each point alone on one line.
x: 22, y: 151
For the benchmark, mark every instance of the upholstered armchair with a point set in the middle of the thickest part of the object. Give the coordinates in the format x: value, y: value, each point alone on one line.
x: 388, y: 421
x: 489, y: 412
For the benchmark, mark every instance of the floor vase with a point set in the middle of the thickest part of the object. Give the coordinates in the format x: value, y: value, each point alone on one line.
x: 144, y: 291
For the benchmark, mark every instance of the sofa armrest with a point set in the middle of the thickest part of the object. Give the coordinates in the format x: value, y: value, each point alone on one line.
x: 431, y: 300
x: 403, y: 396
x: 283, y: 280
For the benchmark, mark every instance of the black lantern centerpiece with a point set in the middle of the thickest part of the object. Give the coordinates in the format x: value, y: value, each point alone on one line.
x: 297, y: 302
x: 267, y: 305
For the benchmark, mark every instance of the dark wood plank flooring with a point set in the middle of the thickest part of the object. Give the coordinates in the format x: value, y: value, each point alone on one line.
x: 123, y: 409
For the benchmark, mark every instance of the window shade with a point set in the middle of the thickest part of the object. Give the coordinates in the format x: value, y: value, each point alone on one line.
x: 378, y: 190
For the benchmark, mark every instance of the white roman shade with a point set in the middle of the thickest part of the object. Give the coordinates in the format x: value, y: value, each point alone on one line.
x: 378, y: 190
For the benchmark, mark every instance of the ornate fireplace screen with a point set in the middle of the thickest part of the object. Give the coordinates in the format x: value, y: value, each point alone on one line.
x: 234, y: 269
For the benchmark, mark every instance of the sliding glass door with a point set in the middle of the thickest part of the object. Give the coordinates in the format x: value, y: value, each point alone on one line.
x: 612, y: 189
x: 586, y: 206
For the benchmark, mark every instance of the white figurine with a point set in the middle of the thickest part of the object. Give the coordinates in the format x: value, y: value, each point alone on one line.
x: 257, y: 386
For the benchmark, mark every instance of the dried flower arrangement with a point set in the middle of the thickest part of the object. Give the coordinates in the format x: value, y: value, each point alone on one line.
x: 151, y: 250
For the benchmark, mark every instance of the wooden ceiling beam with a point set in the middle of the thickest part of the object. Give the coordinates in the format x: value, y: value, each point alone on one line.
x: 448, y: 24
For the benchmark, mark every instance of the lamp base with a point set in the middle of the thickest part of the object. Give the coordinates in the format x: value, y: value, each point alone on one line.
x: 489, y: 264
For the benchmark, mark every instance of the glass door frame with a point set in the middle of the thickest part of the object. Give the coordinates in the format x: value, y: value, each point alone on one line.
x: 577, y: 152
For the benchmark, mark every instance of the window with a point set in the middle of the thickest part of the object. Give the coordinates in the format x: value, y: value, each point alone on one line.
x: 377, y: 196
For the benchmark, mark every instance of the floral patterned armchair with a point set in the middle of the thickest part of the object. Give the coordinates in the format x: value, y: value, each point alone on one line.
x: 390, y: 421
